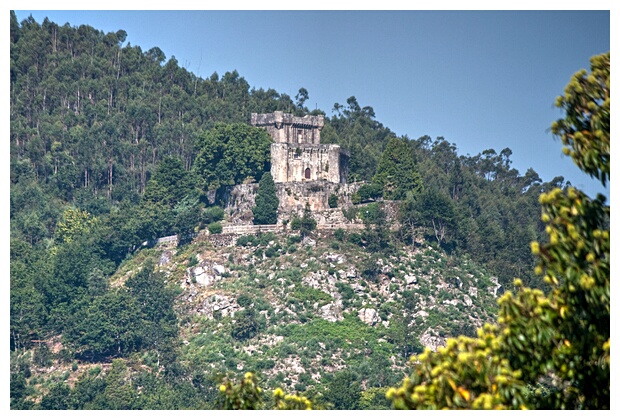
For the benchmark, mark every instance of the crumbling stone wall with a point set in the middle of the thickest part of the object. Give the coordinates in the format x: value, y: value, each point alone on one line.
x: 293, y: 197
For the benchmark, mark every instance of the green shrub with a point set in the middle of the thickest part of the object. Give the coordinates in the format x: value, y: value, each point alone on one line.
x: 356, y: 239
x: 193, y: 260
x: 370, y: 213
x: 340, y: 234
x: 370, y: 191
x: 213, y: 214
x: 350, y: 213
x: 332, y: 201
x: 271, y: 252
x: 265, y: 238
x: 310, y: 295
x: 215, y: 228
x: 247, y: 240
x: 345, y: 290
x: 266, y: 209
x: 306, y: 223
x: 245, y: 326
x: 244, y: 301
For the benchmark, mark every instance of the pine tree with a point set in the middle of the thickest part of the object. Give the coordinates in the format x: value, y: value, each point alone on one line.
x: 396, y: 172
x: 266, y: 209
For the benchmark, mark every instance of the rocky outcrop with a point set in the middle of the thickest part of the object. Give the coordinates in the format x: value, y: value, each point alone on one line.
x: 497, y: 289
x: 223, y: 304
x: 368, y: 316
x: 332, y: 311
x: 206, y: 274
x: 432, y: 340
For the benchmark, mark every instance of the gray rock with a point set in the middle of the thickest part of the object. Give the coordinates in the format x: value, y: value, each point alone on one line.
x: 410, y: 279
x: 497, y: 288
x: 308, y: 241
x: 358, y: 288
x: 368, y: 316
x: 432, y: 340
x: 203, y: 276
x: 334, y: 258
x: 423, y: 314
x: 221, y: 303
x: 166, y: 256
x: 219, y: 269
x: 331, y: 312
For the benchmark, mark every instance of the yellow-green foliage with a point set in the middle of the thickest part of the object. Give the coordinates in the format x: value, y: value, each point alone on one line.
x: 247, y: 395
x: 467, y: 373
x: 585, y: 129
x: 562, y: 337
x: 284, y: 401
x: 74, y: 222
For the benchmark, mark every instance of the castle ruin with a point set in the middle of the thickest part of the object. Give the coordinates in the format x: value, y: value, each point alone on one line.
x: 296, y: 153
x: 305, y: 172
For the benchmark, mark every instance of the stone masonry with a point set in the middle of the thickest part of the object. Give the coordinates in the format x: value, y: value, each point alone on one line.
x: 296, y: 153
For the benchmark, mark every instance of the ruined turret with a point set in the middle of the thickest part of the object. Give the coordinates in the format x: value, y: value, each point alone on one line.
x: 297, y: 154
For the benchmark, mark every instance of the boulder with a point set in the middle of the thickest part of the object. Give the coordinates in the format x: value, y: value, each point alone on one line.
x: 308, y: 241
x: 432, y: 340
x: 423, y: 314
x: 410, y: 279
x: 335, y: 258
x: 496, y: 288
x: 221, y: 303
x: 368, y: 316
x: 331, y: 312
x: 219, y: 269
x: 358, y: 288
x: 203, y: 276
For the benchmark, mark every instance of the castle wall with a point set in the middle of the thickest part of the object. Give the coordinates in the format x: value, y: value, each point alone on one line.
x: 293, y: 197
x: 305, y: 162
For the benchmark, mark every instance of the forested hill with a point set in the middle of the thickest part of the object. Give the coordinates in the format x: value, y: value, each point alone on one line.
x: 112, y: 147
x: 92, y: 120
x: 124, y: 144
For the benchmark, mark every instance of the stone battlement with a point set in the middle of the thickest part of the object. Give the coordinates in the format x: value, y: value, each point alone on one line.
x: 287, y: 128
x: 279, y: 118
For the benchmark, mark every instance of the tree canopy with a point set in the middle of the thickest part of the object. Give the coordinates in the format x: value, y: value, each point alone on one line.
x: 548, y: 350
x: 266, y: 209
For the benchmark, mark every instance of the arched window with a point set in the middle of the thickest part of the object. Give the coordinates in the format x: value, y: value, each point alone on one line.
x: 307, y: 173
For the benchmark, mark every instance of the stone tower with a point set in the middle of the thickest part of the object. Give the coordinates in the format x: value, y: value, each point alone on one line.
x: 296, y: 153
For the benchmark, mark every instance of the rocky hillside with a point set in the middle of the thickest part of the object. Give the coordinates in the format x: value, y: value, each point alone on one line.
x: 298, y: 310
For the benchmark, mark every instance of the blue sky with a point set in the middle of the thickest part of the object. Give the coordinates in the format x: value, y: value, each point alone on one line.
x: 480, y: 79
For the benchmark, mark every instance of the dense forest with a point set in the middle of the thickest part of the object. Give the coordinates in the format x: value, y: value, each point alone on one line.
x: 112, y: 147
